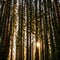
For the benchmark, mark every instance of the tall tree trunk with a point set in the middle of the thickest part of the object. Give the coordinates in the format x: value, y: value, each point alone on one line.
x: 14, y: 32
x: 5, y: 49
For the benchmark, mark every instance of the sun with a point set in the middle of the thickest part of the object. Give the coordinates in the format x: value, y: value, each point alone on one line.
x: 38, y: 44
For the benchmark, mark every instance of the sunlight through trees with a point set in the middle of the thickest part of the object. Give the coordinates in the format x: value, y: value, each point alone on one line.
x: 29, y: 29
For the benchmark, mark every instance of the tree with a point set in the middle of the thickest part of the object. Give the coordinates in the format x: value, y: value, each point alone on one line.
x: 24, y: 23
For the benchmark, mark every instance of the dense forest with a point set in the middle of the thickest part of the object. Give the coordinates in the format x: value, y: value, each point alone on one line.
x: 29, y: 29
